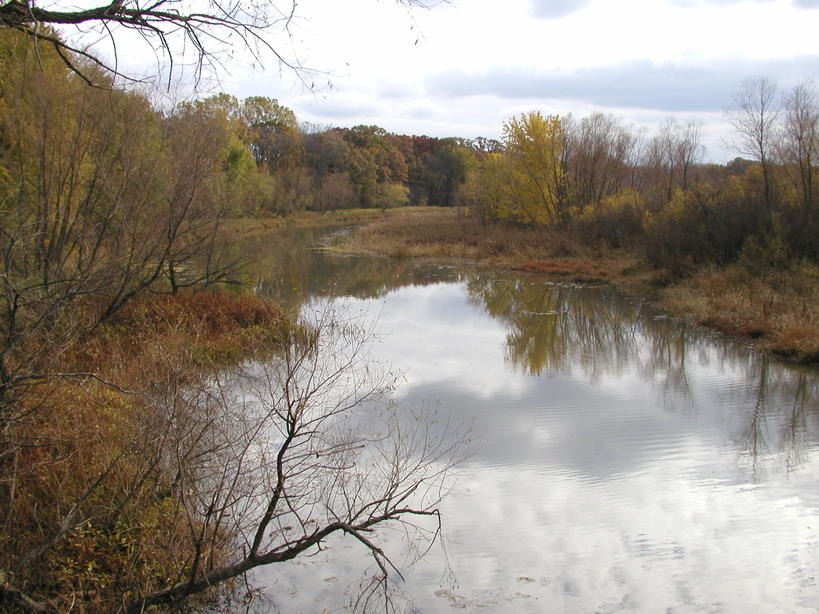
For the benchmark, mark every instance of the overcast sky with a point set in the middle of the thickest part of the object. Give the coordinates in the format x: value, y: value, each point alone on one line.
x: 462, y: 68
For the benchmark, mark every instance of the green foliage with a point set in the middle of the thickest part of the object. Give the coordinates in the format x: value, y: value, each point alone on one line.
x: 761, y: 257
x: 391, y: 195
x: 487, y: 191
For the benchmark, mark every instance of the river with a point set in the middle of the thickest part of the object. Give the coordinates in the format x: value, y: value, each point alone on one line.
x: 624, y: 461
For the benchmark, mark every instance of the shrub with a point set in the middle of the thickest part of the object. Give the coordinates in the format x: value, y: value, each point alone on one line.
x: 614, y: 221
x: 703, y: 225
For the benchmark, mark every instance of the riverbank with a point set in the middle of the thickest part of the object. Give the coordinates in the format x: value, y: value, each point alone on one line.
x: 779, y: 309
x: 117, y: 443
x: 244, y: 227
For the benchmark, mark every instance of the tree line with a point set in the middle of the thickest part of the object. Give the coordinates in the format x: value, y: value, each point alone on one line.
x: 606, y: 183
x: 275, y: 165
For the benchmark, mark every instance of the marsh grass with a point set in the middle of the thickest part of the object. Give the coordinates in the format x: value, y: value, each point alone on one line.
x: 452, y: 233
x: 780, y: 308
x: 242, y: 227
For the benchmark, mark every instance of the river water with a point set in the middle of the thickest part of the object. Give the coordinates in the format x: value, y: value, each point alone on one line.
x: 624, y: 461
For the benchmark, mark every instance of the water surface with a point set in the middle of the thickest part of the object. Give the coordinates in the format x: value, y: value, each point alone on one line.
x: 626, y: 461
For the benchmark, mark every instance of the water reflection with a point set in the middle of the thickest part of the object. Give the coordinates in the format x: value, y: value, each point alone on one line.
x: 629, y: 461
x: 292, y: 266
x: 558, y: 328
x: 552, y: 327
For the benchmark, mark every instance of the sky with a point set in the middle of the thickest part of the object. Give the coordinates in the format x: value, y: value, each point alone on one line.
x: 463, y: 67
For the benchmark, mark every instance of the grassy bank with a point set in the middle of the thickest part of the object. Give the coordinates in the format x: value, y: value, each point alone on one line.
x: 437, y: 232
x: 780, y: 309
x: 249, y: 226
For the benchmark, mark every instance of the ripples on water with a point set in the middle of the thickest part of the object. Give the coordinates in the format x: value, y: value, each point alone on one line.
x: 628, y: 462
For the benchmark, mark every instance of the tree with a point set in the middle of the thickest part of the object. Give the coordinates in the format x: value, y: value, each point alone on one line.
x: 103, y: 200
x: 668, y: 161
x: 275, y: 137
x: 487, y: 191
x: 282, y: 458
x: 754, y: 116
x: 326, y: 152
x: 688, y: 150
x: 799, y: 149
x: 486, y: 145
x: 538, y: 147
x: 600, y: 149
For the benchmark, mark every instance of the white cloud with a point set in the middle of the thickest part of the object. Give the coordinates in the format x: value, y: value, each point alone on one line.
x: 550, y: 9
x: 461, y: 68
x: 634, y: 85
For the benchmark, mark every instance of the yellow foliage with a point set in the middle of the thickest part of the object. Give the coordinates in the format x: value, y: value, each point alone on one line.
x: 536, y: 147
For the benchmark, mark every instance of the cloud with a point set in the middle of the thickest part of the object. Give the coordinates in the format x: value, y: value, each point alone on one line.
x: 638, y: 84
x: 553, y: 9
x: 800, y: 4
x: 342, y: 107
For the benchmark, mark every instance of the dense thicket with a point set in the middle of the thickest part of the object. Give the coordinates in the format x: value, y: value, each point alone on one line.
x: 102, y: 201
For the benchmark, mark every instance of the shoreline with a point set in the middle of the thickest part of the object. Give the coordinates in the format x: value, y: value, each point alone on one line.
x: 776, y: 310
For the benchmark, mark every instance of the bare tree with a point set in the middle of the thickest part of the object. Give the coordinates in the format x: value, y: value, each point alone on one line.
x: 689, y: 150
x: 754, y: 116
x: 600, y: 150
x: 298, y: 449
x: 256, y: 467
x: 799, y: 148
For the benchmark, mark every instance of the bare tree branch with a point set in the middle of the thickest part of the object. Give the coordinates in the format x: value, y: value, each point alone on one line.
x: 167, y: 26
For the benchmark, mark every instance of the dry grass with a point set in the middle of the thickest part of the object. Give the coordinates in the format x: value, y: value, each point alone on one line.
x: 83, y: 429
x: 436, y: 232
x: 250, y: 226
x: 450, y: 233
x: 780, y: 308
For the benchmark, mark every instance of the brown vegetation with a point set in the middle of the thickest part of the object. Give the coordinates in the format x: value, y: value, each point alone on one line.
x: 438, y: 232
x: 93, y: 517
x: 242, y: 227
x: 446, y: 232
x: 780, y: 308
x: 131, y: 473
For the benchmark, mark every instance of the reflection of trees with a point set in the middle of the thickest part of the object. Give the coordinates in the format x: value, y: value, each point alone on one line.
x: 795, y: 427
x: 286, y: 269
x: 557, y: 328
x: 782, y: 416
x: 668, y: 349
x: 753, y: 443
x: 554, y: 328
x: 562, y: 328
